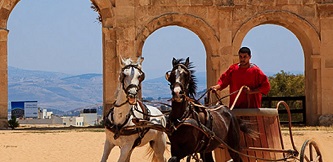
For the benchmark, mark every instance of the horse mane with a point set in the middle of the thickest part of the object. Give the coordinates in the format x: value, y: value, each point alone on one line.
x: 193, y: 80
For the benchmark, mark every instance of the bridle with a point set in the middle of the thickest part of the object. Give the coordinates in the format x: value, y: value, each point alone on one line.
x: 183, y: 86
x: 122, y: 80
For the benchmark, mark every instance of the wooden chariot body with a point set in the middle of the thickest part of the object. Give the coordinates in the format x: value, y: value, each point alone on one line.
x: 266, y: 122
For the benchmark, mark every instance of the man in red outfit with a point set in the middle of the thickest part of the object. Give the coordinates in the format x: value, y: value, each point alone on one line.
x: 247, y: 74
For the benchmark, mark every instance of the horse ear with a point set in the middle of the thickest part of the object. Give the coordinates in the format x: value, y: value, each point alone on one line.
x: 167, y: 75
x: 122, y: 61
x: 140, y: 60
x: 174, y: 62
x: 187, y: 62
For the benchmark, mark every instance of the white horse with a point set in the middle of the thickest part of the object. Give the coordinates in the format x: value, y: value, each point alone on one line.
x: 121, y: 128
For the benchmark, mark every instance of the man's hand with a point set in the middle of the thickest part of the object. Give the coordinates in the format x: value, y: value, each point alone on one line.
x: 250, y: 91
x: 215, y: 87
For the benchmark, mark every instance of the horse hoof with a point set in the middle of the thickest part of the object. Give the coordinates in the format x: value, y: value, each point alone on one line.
x: 173, y: 159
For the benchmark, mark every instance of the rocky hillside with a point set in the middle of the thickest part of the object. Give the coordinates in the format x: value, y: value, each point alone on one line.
x: 66, y: 92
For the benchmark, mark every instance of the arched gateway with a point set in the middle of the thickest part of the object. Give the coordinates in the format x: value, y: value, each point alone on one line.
x: 221, y: 26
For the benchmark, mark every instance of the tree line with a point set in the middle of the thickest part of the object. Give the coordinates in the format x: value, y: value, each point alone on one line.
x: 286, y: 84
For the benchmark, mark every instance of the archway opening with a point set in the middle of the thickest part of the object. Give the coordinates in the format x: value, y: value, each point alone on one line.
x: 160, y: 48
x: 55, y: 55
x: 275, y: 48
x: 279, y: 54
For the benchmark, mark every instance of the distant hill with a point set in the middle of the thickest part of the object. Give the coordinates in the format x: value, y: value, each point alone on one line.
x: 72, y: 93
x: 159, y: 87
x: 64, y: 92
x: 54, y: 90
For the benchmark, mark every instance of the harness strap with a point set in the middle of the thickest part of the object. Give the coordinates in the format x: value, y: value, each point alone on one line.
x: 145, y: 110
x: 120, y: 129
x: 137, y: 141
x: 205, y: 129
x: 117, y: 129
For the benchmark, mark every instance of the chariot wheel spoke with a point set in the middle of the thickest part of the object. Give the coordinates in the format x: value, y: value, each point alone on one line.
x: 310, y: 152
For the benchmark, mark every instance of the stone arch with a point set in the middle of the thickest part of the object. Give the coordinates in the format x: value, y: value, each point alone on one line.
x: 309, y: 38
x: 104, y: 8
x: 220, y: 25
x: 6, y: 7
x: 197, y: 25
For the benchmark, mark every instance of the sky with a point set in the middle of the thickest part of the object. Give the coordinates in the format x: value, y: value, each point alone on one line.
x: 64, y: 36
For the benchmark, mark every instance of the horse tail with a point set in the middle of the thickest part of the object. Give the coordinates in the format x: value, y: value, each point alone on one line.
x: 244, y: 127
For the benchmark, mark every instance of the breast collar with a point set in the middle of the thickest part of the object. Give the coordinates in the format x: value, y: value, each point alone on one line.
x: 123, y: 129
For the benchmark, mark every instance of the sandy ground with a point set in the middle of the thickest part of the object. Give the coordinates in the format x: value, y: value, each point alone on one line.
x: 86, y: 145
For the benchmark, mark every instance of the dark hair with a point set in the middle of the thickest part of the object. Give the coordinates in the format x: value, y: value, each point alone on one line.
x: 245, y: 50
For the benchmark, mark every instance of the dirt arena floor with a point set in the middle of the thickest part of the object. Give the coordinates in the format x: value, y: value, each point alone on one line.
x: 86, y: 144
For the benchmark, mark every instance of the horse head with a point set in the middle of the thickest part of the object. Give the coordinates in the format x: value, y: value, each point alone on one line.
x: 181, y: 79
x: 131, y: 77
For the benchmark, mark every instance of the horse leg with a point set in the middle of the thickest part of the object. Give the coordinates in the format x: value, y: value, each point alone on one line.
x: 179, y: 151
x: 207, y: 157
x: 233, y: 141
x: 107, y: 149
x: 235, y: 156
x: 129, y: 156
x: 125, y: 153
x: 174, y: 159
x: 159, y: 146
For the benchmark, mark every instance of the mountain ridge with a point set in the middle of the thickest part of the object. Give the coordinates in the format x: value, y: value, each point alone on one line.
x: 65, y: 92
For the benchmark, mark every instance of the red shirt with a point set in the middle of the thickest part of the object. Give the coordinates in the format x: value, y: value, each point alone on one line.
x: 252, y: 77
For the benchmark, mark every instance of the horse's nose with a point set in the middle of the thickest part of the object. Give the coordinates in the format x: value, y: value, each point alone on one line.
x: 133, y: 90
x: 130, y: 95
x: 177, y: 93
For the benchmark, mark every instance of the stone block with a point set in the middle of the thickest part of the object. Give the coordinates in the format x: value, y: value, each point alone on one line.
x: 3, y: 35
x: 183, y: 2
x: 299, y: 2
x: 207, y: 2
x: 126, y: 3
x: 240, y: 2
x: 282, y: 2
x: 4, y: 123
x: 326, y: 120
x: 198, y: 11
x: 329, y: 63
x: 106, y: 12
x: 196, y: 2
x: 102, y: 3
x: 166, y: 3
x: 144, y: 2
x: 4, y: 13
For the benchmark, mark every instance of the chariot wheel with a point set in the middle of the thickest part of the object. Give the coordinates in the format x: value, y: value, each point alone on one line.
x: 310, y: 152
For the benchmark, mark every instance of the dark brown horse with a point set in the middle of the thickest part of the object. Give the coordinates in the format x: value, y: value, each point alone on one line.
x: 195, y: 128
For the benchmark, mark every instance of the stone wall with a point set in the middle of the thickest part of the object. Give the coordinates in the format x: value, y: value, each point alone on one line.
x: 221, y: 25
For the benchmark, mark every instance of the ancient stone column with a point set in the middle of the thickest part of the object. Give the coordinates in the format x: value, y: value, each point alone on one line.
x: 3, y: 78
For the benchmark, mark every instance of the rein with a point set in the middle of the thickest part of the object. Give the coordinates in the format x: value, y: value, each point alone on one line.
x: 190, y: 121
x: 220, y: 98
x: 143, y: 113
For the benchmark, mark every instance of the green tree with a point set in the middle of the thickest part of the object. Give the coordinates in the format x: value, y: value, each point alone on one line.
x: 13, y: 123
x: 285, y: 84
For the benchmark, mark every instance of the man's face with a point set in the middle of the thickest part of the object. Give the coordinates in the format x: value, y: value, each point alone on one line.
x: 244, y: 59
